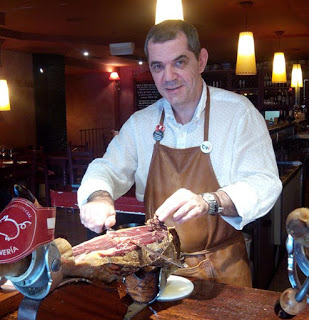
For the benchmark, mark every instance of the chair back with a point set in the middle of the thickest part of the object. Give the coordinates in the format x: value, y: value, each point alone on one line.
x: 56, y: 173
x: 78, y: 162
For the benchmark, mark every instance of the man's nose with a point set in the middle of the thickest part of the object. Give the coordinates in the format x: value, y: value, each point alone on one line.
x: 169, y: 74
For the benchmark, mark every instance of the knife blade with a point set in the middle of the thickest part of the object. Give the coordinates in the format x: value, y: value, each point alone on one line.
x: 161, y: 256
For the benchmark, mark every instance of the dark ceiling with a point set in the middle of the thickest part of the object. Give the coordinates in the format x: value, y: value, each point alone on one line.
x: 68, y: 27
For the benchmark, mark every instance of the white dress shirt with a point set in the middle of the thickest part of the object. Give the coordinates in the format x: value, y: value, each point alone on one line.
x: 242, y: 156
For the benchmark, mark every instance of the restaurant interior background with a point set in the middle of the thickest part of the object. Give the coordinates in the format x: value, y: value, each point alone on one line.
x: 56, y: 91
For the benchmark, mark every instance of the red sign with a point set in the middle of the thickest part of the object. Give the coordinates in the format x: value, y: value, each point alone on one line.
x: 24, y: 227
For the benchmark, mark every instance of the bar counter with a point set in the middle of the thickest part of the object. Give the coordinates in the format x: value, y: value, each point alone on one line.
x: 209, y: 301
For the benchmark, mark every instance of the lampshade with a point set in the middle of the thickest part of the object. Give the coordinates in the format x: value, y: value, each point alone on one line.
x: 169, y: 10
x: 245, y: 64
x: 297, y: 76
x: 114, y: 76
x: 4, y: 96
x: 279, y: 69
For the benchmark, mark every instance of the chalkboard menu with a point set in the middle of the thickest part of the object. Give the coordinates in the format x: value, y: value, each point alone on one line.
x: 146, y: 94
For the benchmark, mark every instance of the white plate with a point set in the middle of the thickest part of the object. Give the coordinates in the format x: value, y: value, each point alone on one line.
x: 176, y: 288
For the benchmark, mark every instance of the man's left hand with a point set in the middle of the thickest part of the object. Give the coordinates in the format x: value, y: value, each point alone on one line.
x: 182, y: 206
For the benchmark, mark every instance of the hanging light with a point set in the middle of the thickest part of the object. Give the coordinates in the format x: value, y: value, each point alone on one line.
x: 4, y: 96
x: 168, y: 10
x: 279, y: 67
x: 245, y: 63
x: 297, y: 76
x: 297, y: 81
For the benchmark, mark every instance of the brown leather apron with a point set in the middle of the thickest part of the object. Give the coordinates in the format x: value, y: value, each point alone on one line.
x: 212, y: 248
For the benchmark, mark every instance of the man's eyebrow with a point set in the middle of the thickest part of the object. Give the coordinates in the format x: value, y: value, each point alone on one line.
x: 182, y: 56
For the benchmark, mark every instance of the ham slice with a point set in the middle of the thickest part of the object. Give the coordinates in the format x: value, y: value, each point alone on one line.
x: 117, y: 253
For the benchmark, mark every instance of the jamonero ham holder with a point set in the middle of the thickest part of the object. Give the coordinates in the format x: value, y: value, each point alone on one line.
x: 116, y: 273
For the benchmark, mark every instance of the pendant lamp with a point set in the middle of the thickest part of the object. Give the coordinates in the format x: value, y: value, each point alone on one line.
x: 168, y: 10
x: 297, y: 81
x: 279, y: 66
x: 245, y: 63
x: 4, y: 96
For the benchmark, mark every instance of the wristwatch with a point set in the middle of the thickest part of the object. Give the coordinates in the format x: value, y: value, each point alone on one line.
x: 213, y: 206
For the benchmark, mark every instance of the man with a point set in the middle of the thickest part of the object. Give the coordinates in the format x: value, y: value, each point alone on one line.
x: 201, y: 158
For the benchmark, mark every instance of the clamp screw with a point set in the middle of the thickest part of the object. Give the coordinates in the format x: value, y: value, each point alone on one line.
x: 55, y: 265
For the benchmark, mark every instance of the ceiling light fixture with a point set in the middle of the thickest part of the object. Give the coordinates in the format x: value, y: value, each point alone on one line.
x: 279, y: 67
x: 297, y: 81
x: 245, y: 63
x: 169, y: 10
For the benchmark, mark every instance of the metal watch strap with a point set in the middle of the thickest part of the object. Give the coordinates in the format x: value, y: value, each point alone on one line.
x: 213, y: 206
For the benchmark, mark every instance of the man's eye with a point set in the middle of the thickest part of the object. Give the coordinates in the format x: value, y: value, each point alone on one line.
x: 157, y: 67
x: 179, y: 63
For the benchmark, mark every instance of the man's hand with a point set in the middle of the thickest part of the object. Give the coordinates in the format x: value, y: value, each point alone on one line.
x: 98, y: 212
x: 182, y: 206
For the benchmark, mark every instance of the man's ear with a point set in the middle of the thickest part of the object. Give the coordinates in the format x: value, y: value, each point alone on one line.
x: 203, y: 59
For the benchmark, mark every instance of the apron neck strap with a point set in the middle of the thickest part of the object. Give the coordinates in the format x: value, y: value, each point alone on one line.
x: 207, y: 111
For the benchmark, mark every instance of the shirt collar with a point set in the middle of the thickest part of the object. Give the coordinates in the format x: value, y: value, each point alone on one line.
x: 198, y: 111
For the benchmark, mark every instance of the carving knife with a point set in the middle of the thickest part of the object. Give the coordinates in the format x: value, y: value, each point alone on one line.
x: 161, y: 256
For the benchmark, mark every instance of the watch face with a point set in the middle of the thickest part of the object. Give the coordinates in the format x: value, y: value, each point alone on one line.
x: 209, y: 196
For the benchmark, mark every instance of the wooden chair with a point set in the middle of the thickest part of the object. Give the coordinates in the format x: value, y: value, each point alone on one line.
x: 78, y: 162
x: 56, y: 173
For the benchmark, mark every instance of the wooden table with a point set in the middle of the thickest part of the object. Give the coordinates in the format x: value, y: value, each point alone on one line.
x: 209, y: 301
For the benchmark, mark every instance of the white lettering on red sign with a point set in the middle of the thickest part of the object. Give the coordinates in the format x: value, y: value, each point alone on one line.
x: 10, y: 250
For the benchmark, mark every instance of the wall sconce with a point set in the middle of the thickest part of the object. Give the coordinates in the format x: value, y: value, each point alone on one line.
x: 115, y: 77
x: 168, y: 10
x: 4, y: 96
x: 245, y: 63
x: 279, y: 67
x: 297, y: 81
x: 4, y: 90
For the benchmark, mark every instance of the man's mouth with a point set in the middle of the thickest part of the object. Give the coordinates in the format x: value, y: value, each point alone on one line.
x: 172, y: 88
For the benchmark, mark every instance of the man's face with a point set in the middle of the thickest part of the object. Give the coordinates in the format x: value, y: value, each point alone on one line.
x: 176, y: 71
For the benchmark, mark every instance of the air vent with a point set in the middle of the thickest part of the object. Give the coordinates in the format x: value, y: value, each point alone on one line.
x: 120, y: 49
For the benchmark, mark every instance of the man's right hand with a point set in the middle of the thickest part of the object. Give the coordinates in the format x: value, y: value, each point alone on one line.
x: 98, y: 212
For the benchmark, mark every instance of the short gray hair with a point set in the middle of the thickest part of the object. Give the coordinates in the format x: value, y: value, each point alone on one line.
x: 169, y: 29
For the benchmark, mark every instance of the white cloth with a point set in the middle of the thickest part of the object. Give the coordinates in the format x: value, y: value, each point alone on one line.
x: 242, y: 157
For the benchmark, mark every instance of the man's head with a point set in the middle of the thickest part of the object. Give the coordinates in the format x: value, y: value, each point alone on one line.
x: 169, y: 29
x: 176, y: 63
